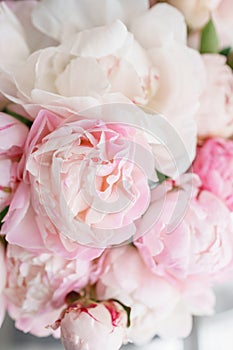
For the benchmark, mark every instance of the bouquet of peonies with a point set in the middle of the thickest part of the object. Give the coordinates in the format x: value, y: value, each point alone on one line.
x: 116, y: 186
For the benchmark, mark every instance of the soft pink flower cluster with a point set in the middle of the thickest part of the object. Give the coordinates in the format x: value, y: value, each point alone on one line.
x: 116, y: 190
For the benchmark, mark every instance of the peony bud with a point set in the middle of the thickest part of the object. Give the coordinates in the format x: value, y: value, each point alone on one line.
x: 91, y: 325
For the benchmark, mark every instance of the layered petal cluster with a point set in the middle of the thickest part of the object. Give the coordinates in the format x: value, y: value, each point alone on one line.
x: 158, y: 307
x: 199, y: 244
x: 37, y: 285
x: 85, y: 184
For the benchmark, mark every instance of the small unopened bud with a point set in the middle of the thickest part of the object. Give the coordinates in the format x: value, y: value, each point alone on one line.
x: 92, y: 325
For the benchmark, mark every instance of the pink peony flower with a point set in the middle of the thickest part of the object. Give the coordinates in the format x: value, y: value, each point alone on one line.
x: 83, y: 185
x: 37, y: 285
x: 87, y: 324
x: 215, y: 115
x: 214, y: 165
x: 200, y: 245
x: 2, y: 283
x: 157, y: 306
x: 12, y: 139
x: 83, y: 177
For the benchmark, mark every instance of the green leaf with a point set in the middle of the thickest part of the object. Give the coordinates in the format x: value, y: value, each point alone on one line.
x: 209, y: 38
x: 2, y: 215
x: 161, y: 176
x: 3, y: 241
x: 18, y: 117
x: 72, y: 297
x: 128, y: 311
x: 225, y: 51
x: 230, y: 60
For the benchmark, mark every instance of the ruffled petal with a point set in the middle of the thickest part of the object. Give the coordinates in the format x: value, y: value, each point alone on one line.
x: 161, y: 24
x: 61, y: 20
x: 13, y: 46
x: 97, y: 42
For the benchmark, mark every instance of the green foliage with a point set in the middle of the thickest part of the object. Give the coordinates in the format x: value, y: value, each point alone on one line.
x: 18, y: 117
x: 209, y: 38
x: 161, y: 176
x: 226, y: 51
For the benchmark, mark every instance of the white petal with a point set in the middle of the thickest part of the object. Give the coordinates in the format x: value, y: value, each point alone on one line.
x: 35, y: 39
x: 177, y: 325
x: 158, y: 26
x: 61, y: 20
x: 82, y: 77
x: 97, y: 42
x: 179, y: 89
x: 13, y: 46
x: 124, y: 78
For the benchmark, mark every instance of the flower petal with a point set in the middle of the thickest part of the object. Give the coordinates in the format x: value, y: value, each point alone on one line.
x: 61, y: 21
x: 161, y: 24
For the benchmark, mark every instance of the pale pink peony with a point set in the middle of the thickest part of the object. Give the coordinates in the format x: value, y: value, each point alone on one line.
x: 2, y: 283
x: 214, y: 165
x: 200, y: 245
x: 12, y: 139
x: 84, y: 178
x: 215, y: 115
x: 157, y: 307
x: 83, y: 185
x: 37, y: 285
x: 87, y: 324
x: 197, y: 12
